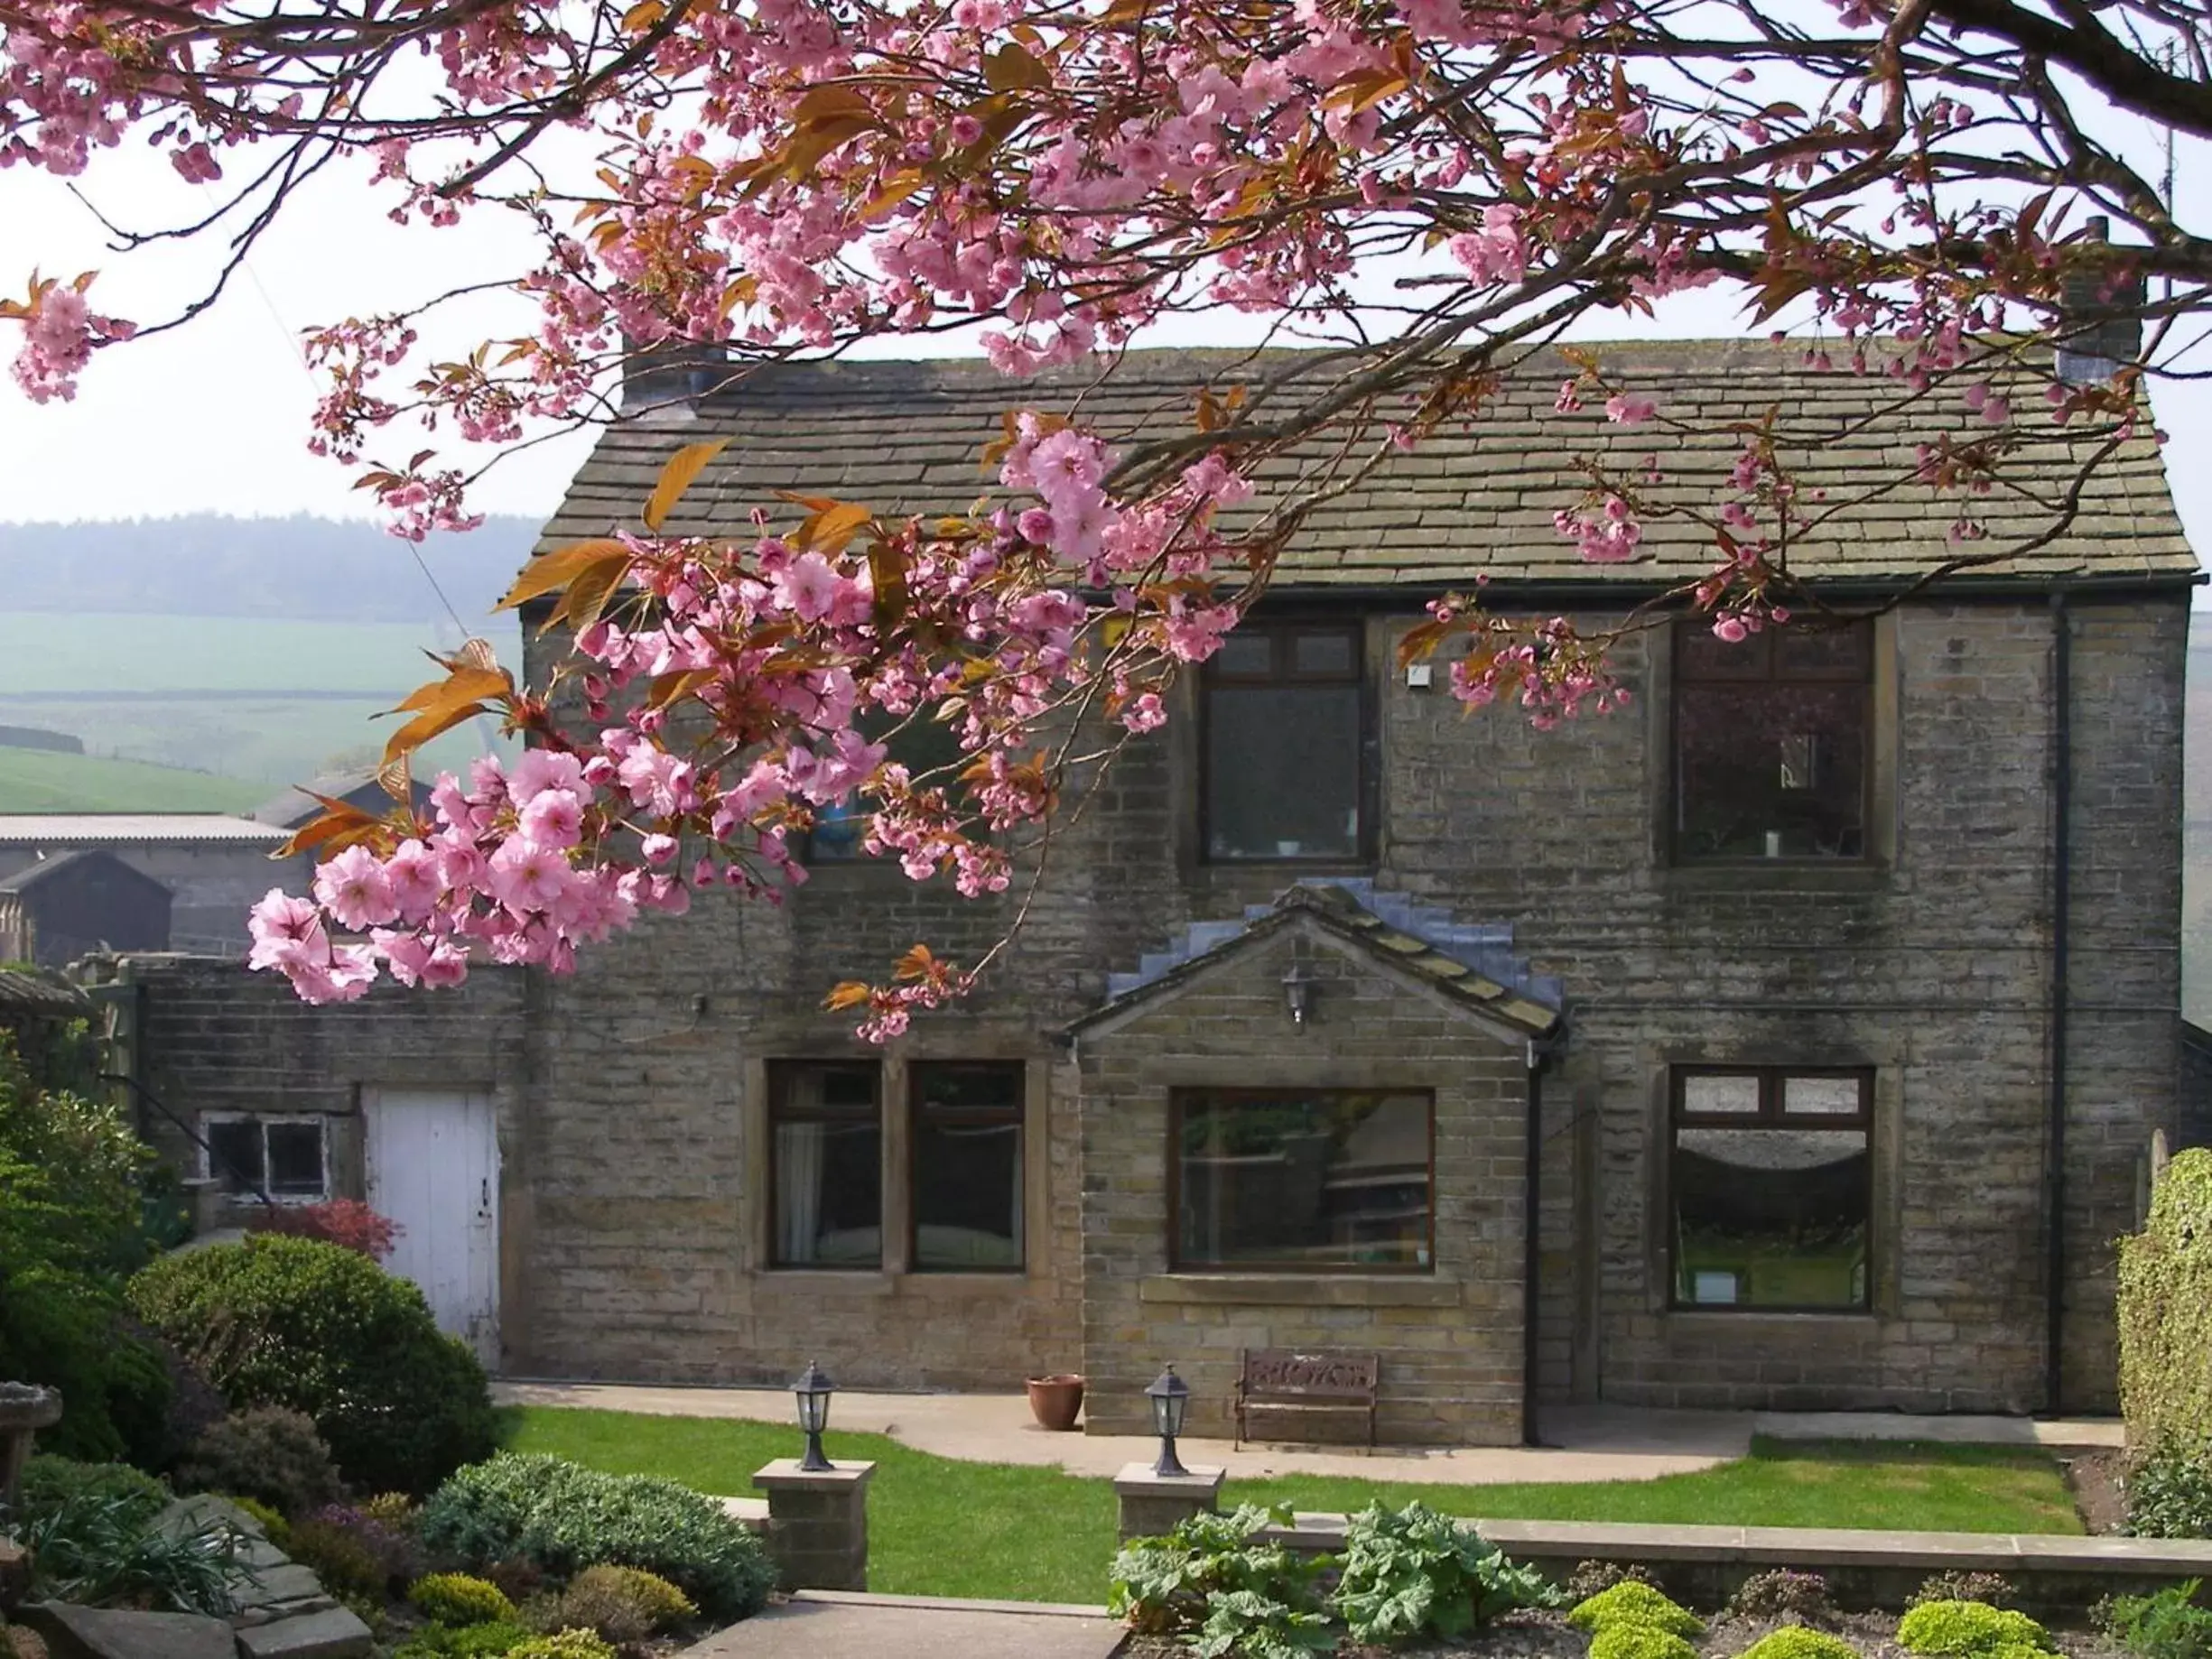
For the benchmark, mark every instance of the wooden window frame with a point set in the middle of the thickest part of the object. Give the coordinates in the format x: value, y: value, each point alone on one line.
x: 974, y: 1116
x: 1864, y: 674
x: 1178, y: 1100
x: 1770, y: 1115
x: 261, y: 1122
x: 779, y: 1072
x: 1281, y: 633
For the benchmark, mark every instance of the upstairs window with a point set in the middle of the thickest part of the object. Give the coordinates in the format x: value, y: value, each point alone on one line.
x: 967, y: 1165
x: 1284, y: 774
x: 1771, y: 741
x: 1770, y: 1184
x: 1303, y: 1179
x: 826, y: 1163
x: 925, y: 746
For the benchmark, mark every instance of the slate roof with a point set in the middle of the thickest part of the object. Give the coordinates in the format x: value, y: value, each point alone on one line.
x: 1472, y: 965
x: 123, y: 828
x: 33, y: 876
x: 35, y: 990
x: 906, y: 437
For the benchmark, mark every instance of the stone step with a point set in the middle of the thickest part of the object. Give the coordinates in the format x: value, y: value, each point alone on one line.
x: 335, y: 1633
x: 113, y: 1633
x: 246, y: 1617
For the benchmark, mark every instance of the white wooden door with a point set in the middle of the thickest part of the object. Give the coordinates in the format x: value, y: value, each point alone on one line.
x: 433, y: 1168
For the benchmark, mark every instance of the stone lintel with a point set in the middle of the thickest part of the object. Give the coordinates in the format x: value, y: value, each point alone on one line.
x: 785, y: 1475
x: 1297, y: 1290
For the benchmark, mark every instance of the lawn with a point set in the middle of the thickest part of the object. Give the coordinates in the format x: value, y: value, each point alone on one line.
x: 944, y: 1528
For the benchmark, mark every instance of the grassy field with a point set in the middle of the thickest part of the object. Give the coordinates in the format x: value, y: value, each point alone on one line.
x: 32, y: 781
x: 946, y: 1528
x: 221, y: 696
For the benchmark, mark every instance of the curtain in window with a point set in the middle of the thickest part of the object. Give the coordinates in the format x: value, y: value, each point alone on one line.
x: 798, y: 1189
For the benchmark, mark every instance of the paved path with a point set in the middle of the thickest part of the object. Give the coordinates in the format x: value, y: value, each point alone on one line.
x: 1586, y: 1442
x: 822, y: 1625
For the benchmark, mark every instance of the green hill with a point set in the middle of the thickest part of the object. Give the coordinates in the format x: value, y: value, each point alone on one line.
x: 34, y: 781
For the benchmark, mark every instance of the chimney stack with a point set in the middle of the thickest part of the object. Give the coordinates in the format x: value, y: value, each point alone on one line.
x: 2101, y: 331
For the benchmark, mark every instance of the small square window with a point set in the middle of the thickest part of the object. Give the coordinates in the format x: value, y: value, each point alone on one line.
x: 930, y: 751
x: 234, y: 1154
x: 296, y: 1160
x: 1771, y: 1189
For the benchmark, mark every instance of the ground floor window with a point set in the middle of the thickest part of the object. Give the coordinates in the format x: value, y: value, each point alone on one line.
x: 967, y: 1164
x: 826, y: 1163
x: 284, y: 1157
x: 1289, y: 1179
x: 962, y: 1164
x: 1770, y: 1187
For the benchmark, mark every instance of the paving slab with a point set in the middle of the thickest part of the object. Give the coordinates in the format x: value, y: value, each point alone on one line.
x: 822, y: 1625
x: 338, y: 1634
x: 1956, y: 1429
x: 112, y: 1633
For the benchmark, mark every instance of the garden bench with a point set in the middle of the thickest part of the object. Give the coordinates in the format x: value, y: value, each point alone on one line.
x: 1306, y: 1385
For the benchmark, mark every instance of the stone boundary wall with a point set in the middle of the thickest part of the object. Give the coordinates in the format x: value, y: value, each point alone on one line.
x: 1864, y: 1568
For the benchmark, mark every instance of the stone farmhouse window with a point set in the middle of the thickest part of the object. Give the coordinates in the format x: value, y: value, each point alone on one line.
x: 1302, y: 1181
x: 967, y: 1165
x: 1282, y: 741
x: 962, y: 1156
x: 924, y: 746
x: 1772, y: 741
x: 825, y: 1123
x: 283, y: 1157
x: 1769, y: 1183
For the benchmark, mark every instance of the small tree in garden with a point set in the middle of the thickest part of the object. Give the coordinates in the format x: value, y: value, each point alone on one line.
x: 344, y: 1221
x: 1430, y: 188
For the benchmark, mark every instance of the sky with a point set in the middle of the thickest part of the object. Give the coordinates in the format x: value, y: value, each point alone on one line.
x: 213, y: 417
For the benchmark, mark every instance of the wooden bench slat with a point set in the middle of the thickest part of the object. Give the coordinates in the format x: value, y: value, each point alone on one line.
x: 1291, y: 1380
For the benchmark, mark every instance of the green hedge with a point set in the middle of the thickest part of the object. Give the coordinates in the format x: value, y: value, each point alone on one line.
x: 2165, y: 1315
x: 321, y: 1329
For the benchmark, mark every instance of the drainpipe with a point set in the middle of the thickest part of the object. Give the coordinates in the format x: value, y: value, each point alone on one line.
x: 1532, y: 1209
x: 2061, y: 875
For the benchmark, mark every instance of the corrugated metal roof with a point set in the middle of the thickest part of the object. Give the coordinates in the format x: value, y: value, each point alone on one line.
x: 34, y: 990
x: 907, y: 437
x: 118, y: 829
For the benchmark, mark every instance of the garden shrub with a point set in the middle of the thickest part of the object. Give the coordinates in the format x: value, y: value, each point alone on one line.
x: 1590, y: 1576
x: 71, y: 1230
x: 1973, y: 1628
x: 564, y: 1519
x: 345, y: 1222
x: 2168, y: 1491
x: 491, y: 1641
x: 2168, y: 1624
x: 398, y: 1557
x: 1410, y: 1572
x: 1993, y: 1587
x: 518, y: 1577
x: 265, y: 1452
x: 272, y: 1525
x: 566, y: 1644
x: 322, y: 1329
x: 456, y: 1599
x: 345, y: 1564
x: 1626, y: 1638
x: 1783, y: 1593
x: 1797, y: 1642
x: 623, y: 1604
x: 96, y: 1548
x: 2165, y: 1315
x: 1216, y: 1583
x: 393, y: 1509
x: 49, y: 1482
x: 1631, y: 1602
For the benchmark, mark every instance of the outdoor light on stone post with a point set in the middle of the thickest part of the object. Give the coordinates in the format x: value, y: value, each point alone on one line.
x: 1152, y: 1499
x: 813, y: 1391
x: 1171, y: 1403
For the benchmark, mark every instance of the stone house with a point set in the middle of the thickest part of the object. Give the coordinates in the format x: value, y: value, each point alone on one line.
x: 1792, y: 1038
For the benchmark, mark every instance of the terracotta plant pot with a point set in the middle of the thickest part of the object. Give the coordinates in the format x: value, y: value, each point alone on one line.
x: 1056, y: 1400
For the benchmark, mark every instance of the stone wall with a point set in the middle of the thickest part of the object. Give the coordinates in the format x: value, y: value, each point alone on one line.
x: 1449, y: 1338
